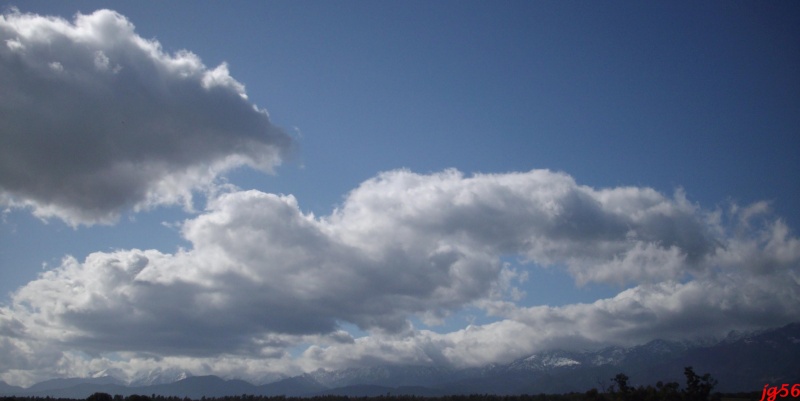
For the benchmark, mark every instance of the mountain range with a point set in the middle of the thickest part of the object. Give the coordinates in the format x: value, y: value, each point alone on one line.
x: 740, y: 362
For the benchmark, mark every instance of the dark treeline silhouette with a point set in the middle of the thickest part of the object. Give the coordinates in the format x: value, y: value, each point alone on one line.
x: 698, y: 388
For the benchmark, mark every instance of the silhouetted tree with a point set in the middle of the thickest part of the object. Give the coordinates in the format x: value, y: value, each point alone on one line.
x: 698, y: 388
x: 137, y: 397
x: 668, y: 391
x: 594, y: 395
x: 623, y: 391
x: 100, y: 397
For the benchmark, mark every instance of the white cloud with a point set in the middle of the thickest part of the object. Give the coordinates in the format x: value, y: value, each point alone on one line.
x: 262, y: 277
x: 97, y: 120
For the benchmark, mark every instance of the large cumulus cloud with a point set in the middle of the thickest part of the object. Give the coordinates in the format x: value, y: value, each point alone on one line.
x: 262, y: 277
x: 95, y: 119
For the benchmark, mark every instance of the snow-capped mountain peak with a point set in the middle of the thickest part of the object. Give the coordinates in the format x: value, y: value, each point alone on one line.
x: 158, y: 376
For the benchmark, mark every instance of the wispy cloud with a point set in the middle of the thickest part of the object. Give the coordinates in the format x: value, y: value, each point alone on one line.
x: 97, y: 120
x: 263, y: 277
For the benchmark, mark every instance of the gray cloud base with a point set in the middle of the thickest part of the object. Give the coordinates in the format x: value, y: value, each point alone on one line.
x: 262, y: 278
x: 96, y: 120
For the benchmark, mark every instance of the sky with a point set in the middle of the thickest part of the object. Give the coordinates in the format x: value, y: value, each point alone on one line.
x: 262, y: 189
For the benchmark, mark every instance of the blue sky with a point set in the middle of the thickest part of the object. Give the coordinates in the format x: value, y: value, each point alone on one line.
x: 669, y: 132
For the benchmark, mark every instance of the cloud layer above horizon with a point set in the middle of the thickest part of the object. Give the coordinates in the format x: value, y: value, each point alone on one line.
x: 97, y: 120
x: 262, y: 278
